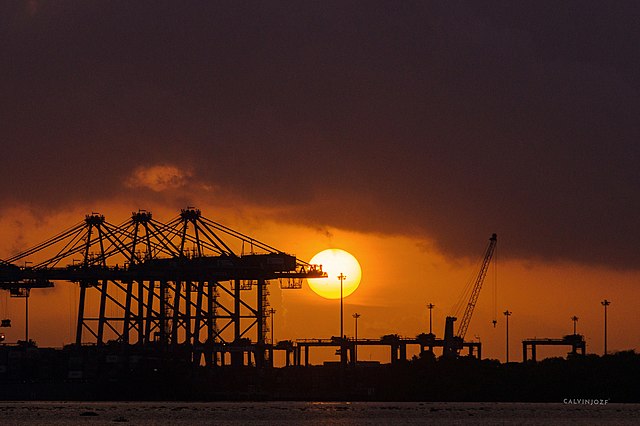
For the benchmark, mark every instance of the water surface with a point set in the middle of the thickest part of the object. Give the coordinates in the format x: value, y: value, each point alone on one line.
x: 313, y: 413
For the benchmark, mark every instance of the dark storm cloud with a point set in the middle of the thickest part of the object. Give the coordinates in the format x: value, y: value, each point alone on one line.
x: 448, y: 120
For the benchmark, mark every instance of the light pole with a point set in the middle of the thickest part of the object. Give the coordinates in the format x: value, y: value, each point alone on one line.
x: 355, y: 344
x: 26, y: 310
x: 26, y: 316
x: 507, y: 314
x: 341, y: 277
x: 430, y: 306
x: 272, y: 313
x: 605, y: 303
x: 575, y: 323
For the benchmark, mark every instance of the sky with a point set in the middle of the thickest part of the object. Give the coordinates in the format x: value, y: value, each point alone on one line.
x: 403, y: 132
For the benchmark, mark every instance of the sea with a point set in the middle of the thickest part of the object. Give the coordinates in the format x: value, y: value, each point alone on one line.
x: 568, y: 412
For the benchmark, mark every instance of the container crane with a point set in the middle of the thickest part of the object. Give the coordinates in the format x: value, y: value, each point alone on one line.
x: 453, y: 343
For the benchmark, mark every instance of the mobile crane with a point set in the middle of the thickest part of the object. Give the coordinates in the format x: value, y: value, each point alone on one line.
x: 453, y: 343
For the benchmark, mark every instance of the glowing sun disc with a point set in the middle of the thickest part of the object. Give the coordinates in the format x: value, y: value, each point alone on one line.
x: 335, y: 262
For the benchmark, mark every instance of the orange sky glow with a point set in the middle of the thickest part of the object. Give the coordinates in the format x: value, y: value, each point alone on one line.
x: 400, y: 276
x: 405, y: 133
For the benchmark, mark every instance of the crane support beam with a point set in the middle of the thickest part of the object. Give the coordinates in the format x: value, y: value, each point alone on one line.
x: 187, y: 282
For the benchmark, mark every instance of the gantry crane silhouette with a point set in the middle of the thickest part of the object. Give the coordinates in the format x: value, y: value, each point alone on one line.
x: 190, y: 282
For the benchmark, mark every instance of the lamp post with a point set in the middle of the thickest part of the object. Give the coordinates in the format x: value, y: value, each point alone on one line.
x: 430, y: 306
x: 26, y: 316
x: 575, y: 323
x: 507, y: 314
x: 341, y: 277
x: 272, y: 313
x: 605, y: 303
x: 355, y: 344
x: 26, y: 310
x: 343, y: 355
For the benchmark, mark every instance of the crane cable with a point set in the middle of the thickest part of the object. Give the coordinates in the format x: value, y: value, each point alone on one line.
x: 495, y: 286
x: 463, y: 300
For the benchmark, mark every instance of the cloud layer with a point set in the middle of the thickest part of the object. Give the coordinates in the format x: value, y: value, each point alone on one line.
x: 443, y: 121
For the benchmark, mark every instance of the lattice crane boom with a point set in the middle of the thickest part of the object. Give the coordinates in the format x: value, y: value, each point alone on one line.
x: 468, y: 312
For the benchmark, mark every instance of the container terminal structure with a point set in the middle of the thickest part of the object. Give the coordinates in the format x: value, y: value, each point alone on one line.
x: 189, y: 286
x: 180, y: 309
x: 190, y: 289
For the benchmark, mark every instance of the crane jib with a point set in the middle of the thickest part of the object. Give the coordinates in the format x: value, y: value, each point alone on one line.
x: 466, y: 317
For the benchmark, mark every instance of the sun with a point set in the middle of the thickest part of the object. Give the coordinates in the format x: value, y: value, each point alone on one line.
x: 335, y: 262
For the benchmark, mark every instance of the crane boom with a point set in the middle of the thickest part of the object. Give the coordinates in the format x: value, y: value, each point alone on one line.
x: 468, y: 312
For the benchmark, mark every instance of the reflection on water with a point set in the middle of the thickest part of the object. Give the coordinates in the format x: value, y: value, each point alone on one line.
x: 312, y: 413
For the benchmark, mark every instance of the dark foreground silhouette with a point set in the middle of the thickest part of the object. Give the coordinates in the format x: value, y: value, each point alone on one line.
x: 89, y: 373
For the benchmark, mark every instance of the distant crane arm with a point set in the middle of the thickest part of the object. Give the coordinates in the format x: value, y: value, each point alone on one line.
x: 468, y: 312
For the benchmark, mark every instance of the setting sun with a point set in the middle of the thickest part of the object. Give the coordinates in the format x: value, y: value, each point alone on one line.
x: 335, y: 262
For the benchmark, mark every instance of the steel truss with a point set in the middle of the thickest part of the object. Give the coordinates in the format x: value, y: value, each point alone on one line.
x: 190, y: 283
